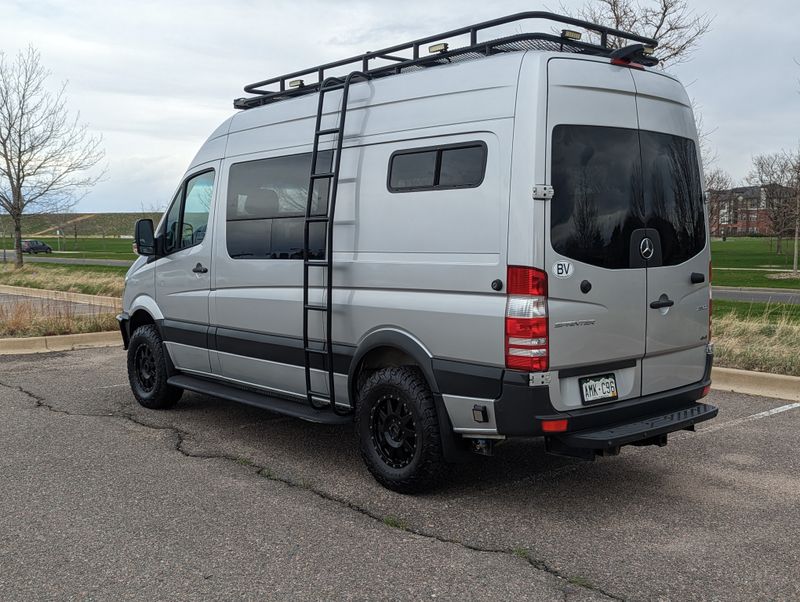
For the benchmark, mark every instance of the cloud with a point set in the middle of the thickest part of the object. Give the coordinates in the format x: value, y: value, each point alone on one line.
x: 155, y: 78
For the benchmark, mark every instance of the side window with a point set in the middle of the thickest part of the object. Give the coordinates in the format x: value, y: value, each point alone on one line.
x: 266, y: 207
x: 171, y: 224
x: 199, y: 193
x: 438, y: 168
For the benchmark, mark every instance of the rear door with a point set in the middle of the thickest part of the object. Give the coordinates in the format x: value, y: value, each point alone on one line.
x: 597, y: 280
x: 678, y: 272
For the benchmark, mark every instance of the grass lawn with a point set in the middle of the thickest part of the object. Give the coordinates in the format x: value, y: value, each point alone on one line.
x: 751, y: 278
x: 773, y: 312
x: 86, y: 248
x: 90, y: 280
x: 27, y: 319
x: 754, y: 336
x: 749, y: 252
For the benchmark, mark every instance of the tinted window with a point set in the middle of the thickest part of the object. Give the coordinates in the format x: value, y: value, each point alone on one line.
x: 673, y: 195
x: 597, y: 201
x: 266, y: 204
x: 413, y: 170
x: 611, y: 181
x: 462, y: 166
x: 458, y: 166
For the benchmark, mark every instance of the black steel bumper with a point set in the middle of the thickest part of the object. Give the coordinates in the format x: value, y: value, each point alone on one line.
x: 521, y: 409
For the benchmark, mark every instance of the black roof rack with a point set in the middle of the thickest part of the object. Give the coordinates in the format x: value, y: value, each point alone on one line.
x: 291, y: 84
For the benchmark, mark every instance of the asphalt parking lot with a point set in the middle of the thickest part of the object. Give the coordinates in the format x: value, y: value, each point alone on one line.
x: 101, y: 499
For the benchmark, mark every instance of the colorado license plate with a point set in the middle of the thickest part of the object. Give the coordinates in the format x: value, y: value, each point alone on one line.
x: 598, y: 388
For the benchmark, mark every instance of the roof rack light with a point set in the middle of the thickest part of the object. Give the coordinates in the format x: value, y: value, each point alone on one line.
x: 571, y: 34
x: 441, y: 47
x: 297, y: 83
x: 648, y: 50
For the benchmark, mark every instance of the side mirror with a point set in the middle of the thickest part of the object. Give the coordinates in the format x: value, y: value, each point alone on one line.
x: 144, y: 237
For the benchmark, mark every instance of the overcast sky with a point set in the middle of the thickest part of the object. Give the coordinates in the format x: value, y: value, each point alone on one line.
x: 155, y: 78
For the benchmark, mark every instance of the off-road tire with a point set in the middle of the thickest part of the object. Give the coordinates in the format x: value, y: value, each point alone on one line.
x: 403, y: 388
x: 147, y: 370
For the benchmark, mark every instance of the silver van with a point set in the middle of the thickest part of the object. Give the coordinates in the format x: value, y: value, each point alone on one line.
x: 448, y: 242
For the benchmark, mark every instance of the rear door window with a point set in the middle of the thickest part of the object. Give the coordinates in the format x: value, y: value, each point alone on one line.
x: 597, y: 201
x: 609, y: 182
x: 673, y: 195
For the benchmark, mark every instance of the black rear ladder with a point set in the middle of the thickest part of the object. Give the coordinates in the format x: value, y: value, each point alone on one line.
x: 319, y: 399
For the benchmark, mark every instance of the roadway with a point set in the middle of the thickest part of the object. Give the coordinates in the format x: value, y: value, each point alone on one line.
x: 103, y: 499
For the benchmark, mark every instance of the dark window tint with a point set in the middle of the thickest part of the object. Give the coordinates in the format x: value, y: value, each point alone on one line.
x: 462, y: 166
x: 597, y: 201
x: 611, y: 181
x: 265, y: 205
x: 673, y: 195
x: 413, y: 170
x: 453, y: 166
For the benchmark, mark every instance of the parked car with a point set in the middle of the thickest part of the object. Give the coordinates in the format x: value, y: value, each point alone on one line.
x: 34, y: 247
x: 504, y: 239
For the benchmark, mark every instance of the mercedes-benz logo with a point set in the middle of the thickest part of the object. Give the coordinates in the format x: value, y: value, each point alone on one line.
x: 647, y: 248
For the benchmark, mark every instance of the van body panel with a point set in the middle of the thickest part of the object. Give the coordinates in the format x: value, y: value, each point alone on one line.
x: 608, y: 322
x: 676, y: 336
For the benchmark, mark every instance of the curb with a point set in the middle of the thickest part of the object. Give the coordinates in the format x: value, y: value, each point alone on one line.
x: 64, y: 342
x: 762, y: 384
x: 42, y: 293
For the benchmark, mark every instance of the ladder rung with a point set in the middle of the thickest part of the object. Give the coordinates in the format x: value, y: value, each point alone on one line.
x: 320, y: 263
x: 323, y: 397
x: 319, y: 176
x: 319, y: 351
x: 313, y: 307
x: 328, y: 131
x: 317, y: 218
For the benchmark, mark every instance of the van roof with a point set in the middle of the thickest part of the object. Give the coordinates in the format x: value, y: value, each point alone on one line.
x: 395, y: 60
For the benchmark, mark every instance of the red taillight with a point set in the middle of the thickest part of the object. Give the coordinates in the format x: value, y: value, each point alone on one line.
x: 526, y: 342
x: 626, y: 63
x: 706, y: 391
x: 554, y: 426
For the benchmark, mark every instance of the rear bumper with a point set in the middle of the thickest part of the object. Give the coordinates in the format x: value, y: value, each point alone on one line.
x: 514, y: 408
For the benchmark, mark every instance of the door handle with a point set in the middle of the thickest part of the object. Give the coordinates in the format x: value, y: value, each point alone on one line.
x: 662, y: 303
x: 200, y: 269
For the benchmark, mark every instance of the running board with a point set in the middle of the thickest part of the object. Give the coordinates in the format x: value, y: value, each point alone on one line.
x: 295, y: 409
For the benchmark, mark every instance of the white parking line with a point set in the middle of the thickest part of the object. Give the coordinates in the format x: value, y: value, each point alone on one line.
x: 738, y: 421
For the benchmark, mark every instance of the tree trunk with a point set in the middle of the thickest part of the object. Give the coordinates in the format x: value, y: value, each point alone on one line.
x: 779, y: 245
x: 17, y: 240
x: 796, y: 235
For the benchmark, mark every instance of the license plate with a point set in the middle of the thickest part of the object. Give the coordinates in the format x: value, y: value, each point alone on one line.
x: 598, y: 388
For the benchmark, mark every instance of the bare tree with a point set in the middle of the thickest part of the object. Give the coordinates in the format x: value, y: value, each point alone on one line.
x: 794, y: 179
x: 677, y: 27
x: 773, y: 173
x: 718, y: 191
x: 46, y: 157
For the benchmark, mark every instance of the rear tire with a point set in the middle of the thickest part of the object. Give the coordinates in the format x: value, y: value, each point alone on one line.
x: 398, y: 430
x: 147, y: 370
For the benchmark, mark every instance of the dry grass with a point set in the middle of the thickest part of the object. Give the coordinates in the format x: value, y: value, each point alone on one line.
x: 766, y: 343
x: 36, y: 319
x: 89, y: 280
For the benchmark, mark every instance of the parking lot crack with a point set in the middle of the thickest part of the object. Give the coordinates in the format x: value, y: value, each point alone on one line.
x: 180, y: 438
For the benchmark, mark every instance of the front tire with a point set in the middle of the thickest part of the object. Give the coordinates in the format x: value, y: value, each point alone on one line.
x: 398, y: 430
x: 147, y: 370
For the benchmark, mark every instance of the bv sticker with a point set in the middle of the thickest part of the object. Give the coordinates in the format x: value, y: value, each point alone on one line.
x: 563, y: 269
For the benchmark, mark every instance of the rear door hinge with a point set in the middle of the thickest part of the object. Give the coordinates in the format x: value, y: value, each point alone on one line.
x: 542, y: 193
x: 539, y: 379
